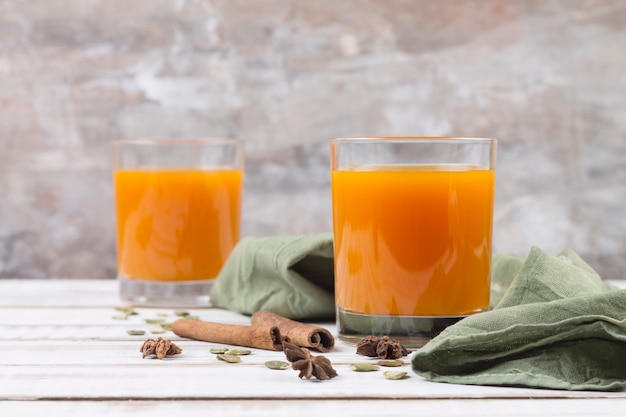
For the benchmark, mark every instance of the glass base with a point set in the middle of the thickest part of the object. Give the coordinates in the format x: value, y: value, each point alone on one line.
x: 164, y: 294
x: 411, y: 331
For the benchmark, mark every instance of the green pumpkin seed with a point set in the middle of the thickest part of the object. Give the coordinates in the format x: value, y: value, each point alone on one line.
x: 278, y: 365
x: 391, y: 362
x: 181, y: 313
x: 218, y: 350
x: 154, y: 321
x: 126, y: 310
x: 238, y: 352
x: 136, y: 332
x: 394, y: 375
x: 120, y: 317
x: 166, y: 326
x: 161, y: 314
x: 364, y: 367
x: 157, y: 330
x: 228, y: 358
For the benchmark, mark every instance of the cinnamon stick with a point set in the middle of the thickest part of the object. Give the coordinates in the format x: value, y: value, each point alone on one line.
x: 300, y: 334
x: 260, y: 337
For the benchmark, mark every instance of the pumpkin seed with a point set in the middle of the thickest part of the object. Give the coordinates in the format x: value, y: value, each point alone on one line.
x: 394, y: 375
x: 154, y: 321
x: 217, y: 350
x: 161, y: 314
x: 166, y: 326
x: 228, y: 358
x: 157, y: 330
x: 135, y: 332
x: 126, y: 310
x: 391, y: 362
x: 364, y: 367
x: 238, y: 352
x: 278, y: 365
x: 181, y: 313
x: 120, y: 317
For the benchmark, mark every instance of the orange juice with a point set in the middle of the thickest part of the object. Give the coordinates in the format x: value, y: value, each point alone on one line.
x: 176, y: 224
x: 413, y: 240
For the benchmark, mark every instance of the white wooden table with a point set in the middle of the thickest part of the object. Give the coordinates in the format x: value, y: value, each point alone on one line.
x: 62, y: 354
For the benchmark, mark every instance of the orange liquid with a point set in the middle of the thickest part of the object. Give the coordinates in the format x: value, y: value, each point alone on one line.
x: 176, y: 225
x: 413, y: 240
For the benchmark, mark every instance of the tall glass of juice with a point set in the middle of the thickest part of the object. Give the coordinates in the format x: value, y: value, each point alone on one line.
x: 412, y: 226
x: 178, y: 210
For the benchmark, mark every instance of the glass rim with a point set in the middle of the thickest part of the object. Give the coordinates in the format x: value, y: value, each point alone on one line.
x: 182, y: 141
x: 415, y: 139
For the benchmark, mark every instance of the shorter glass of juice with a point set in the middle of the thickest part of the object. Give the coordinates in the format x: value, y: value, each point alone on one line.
x: 178, y: 210
x: 412, y: 223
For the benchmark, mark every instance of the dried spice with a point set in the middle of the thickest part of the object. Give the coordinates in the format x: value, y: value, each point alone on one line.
x: 382, y: 347
x: 261, y: 337
x: 228, y: 358
x: 277, y: 365
x: 308, y: 365
x: 238, y: 352
x: 154, y: 321
x: 394, y: 375
x: 159, y: 347
x: 299, y: 334
x: 390, y: 349
x: 127, y: 310
x: 367, y: 346
x: 390, y: 362
x: 364, y: 367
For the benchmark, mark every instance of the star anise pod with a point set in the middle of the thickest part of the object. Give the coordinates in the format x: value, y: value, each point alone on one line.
x: 159, y: 347
x: 382, y: 347
x: 308, y: 365
x: 367, y: 346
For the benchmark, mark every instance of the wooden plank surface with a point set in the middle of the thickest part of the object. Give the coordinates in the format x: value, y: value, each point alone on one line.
x: 319, y: 408
x: 64, y: 351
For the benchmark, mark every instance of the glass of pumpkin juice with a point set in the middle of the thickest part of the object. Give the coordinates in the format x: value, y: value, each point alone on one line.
x: 178, y: 210
x: 412, y: 226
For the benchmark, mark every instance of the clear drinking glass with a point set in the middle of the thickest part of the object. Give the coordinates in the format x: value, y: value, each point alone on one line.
x: 412, y: 224
x: 178, y: 211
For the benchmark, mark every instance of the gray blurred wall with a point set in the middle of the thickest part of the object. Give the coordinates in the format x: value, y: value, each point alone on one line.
x: 547, y: 78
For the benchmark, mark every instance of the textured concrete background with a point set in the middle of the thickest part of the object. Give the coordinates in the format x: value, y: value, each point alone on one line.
x: 547, y: 78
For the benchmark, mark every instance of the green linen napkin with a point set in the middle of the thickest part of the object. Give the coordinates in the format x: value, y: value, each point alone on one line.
x: 556, y: 325
x: 287, y: 275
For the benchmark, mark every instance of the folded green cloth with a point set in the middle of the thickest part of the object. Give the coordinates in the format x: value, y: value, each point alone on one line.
x: 557, y: 325
x: 287, y: 275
